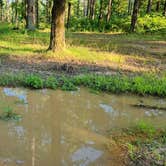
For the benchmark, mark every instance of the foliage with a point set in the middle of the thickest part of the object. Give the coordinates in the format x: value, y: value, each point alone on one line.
x: 142, y: 85
x: 34, y: 81
x: 8, y: 114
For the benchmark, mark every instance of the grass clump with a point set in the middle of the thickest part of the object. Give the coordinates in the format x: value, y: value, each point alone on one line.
x: 34, y: 81
x: 8, y: 114
x: 142, y: 85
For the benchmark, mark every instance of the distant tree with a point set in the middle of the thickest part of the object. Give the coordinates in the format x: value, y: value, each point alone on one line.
x: 109, y: 11
x: 37, y: 12
x: 31, y: 16
x: 57, y: 35
x: 48, y: 10
x: 164, y: 12
x: 1, y: 10
x: 134, y: 15
x: 149, y: 6
x: 68, y: 15
x: 92, y: 9
x: 158, y: 6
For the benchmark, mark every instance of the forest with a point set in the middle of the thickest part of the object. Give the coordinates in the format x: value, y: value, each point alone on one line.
x: 83, y: 82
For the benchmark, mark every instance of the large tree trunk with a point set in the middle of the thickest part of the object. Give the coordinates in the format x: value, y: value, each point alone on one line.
x: 134, y: 15
x: 164, y: 12
x: 149, y: 7
x: 31, y: 16
x: 109, y: 11
x: 57, y: 35
x: 68, y: 15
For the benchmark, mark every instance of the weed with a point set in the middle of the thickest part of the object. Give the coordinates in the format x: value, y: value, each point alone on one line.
x: 8, y: 114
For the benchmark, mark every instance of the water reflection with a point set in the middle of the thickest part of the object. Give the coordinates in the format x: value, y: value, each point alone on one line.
x: 85, y: 155
x: 67, y: 128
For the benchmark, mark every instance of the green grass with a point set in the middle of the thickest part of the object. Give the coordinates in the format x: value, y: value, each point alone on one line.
x: 142, y: 85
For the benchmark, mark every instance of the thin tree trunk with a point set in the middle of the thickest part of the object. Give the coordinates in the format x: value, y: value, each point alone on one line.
x: 57, y: 35
x: 37, y: 13
x: 164, y: 12
x: 134, y: 15
x: 109, y: 11
x: 88, y: 6
x: 157, y: 6
x: 31, y: 22
x: 69, y: 14
x: 92, y: 9
x: 1, y: 8
x: 149, y: 7
x: 100, y: 12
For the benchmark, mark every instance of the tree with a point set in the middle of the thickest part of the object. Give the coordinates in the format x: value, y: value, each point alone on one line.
x: 149, y: 7
x: 68, y: 15
x: 109, y: 11
x: 57, y: 35
x: 31, y: 16
x: 1, y: 8
x: 37, y: 13
x: 164, y: 12
x: 134, y: 15
x: 92, y: 9
x: 158, y: 6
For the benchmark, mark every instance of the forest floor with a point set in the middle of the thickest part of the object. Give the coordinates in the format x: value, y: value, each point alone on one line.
x: 85, y: 53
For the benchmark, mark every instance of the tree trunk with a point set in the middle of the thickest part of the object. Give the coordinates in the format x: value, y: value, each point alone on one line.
x: 92, y: 9
x: 1, y: 8
x: 69, y: 14
x: 100, y: 12
x: 164, y: 12
x: 134, y: 15
x: 109, y: 11
x: 157, y: 6
x: 37, y: 13
x: 88, y: 6
x: 149, y: 7
x: 57, y: 35
x: 30, y: 23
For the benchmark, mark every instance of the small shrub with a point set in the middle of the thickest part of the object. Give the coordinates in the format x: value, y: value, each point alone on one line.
x: 34, y: 81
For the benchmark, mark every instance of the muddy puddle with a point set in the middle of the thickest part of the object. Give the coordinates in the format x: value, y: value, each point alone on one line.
x: 68, y: 128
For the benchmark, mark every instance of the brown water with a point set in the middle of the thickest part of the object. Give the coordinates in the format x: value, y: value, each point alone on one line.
x: 67, y: 128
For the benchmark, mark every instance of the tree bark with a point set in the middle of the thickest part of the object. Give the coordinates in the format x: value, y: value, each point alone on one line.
x: 164, y: 12
x: 100, y: 12
x: 37, y: 13
x: 31, y: 16
x: 157, y: 6
x: 88, y: 6
x: 1, y: 8
x: 57, y: 35
x: 69, y: 14
x: 92, y: 9
x: 134, y: 15
x: 109, y: 11
x: 149, y: 7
